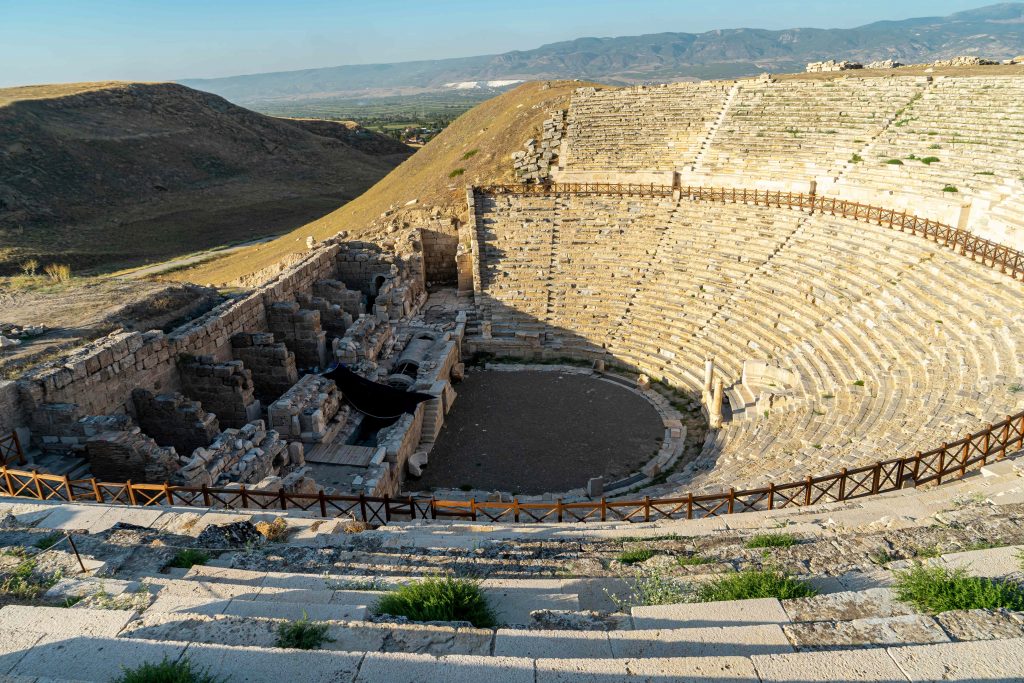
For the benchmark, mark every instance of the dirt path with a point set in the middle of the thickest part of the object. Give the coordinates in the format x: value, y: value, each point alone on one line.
x: 190, y: 260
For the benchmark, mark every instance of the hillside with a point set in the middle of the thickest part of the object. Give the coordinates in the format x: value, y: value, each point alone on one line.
x: 480, y: 142
x: 996, y: 31
x: 109, y: 175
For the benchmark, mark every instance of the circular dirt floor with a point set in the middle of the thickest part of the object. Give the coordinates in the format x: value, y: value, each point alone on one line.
x: 535, y: 432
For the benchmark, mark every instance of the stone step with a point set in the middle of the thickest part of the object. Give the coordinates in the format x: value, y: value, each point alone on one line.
x: 174, y: 604
x: 710, y: 614
x: 643, y: 643
x: 28, y: 655
x: 512, y: 599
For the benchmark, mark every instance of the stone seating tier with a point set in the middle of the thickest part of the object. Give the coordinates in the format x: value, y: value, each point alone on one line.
x: 897, y: 343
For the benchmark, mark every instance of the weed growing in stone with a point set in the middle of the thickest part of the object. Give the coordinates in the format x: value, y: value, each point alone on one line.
x: 692, y: 560
x: 652, y: 586
x: 187, y: 558
x: 25, y: 583
x: 771, y: 541
x: 440, y: 599
x: 181, y: 671
x: 635, y: 555
x: 303, y: 634
x: 48, y: 541
x: 755, y: 583
x: 938, y: 589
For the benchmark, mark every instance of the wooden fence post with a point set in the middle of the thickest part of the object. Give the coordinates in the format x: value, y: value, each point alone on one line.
x: 96, y: 490
x: 67, y: 487
x: 689, y: 505
x: 771, y: 495
x: 323, y: 502
x: 17, y: 447
x: 131, y: 491
x: 807, y: 490
x: 38, y: 485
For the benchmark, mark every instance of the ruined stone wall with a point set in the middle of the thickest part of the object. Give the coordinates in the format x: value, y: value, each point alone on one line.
x: 300, y: 330
x: 130, y: 456
x: 12, y: 412
x: 173, y: 420
x: 439, y: 250
x: 305, y: 411
x: 246, y: 455
x: 224, y: 388
x: 271, y: 363
x: 100, y: 376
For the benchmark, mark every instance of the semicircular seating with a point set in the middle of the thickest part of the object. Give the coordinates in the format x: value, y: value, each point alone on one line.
x: 895, y: 344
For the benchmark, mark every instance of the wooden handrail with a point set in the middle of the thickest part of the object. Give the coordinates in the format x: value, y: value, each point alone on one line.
x: 947, y: 462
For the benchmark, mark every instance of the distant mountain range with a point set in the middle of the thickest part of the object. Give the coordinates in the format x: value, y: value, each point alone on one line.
x: 996, y: 31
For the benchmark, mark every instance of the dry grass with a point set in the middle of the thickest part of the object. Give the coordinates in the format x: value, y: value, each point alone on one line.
x: 496, y: 128
x: 274, y: 531
x: 52, y: 90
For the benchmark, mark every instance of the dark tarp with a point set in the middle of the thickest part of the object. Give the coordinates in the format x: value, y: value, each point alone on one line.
x: 373, y: 399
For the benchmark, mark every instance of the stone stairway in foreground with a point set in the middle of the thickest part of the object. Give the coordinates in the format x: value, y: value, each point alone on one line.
x: 549, y: 586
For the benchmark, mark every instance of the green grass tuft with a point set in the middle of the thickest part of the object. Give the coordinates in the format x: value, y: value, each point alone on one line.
x: 470, y: 154
x: 440, y: 599
x: 636, y: 555
x: 856, y: 159
x: 187, y: 558
x: 181, y: 671
x: 894, y: 162
x: 456, y: 173
x: 303, y: 634
x: 771, y: 541
x: 755, y: 583
x: 48, y: 541
x: 950, y: 188
x: 938, y: 589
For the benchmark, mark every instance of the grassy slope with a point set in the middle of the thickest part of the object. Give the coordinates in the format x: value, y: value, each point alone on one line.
x: 496, y: 128
x: 104, y: 176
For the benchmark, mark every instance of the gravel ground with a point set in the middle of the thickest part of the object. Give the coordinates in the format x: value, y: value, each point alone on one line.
x: 534, y: 432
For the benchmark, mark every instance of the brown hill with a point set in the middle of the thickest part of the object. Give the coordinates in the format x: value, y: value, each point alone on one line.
x: 108, y: 175
x: 480, y: 143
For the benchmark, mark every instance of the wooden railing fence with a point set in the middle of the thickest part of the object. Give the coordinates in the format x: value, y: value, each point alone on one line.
x: 949, y: 461
x: 1009, y: 261
x: 10, y: 449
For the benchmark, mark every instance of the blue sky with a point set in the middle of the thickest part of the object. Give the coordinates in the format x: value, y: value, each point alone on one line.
x: 46, y: 41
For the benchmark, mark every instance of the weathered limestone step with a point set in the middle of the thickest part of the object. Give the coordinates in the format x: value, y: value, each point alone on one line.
x: 260, y: 608
x: 648, y: 643
x: 199, y: 591
x: 710, y: 614
x: 62, y: 622
x: 84, y: 657
x: 999, y: 660
x: 846, y: 606
x: 512, y: 599
x: 342, y: 636
x: 911, y: 629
